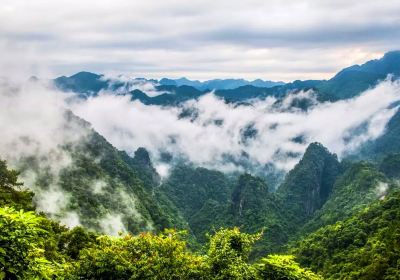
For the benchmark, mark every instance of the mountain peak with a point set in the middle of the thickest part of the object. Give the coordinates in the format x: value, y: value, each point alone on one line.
x: 308, y: 185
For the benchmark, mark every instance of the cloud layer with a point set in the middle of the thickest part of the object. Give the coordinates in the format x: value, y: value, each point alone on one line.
x: 211, y: 133
x: 279, y: 40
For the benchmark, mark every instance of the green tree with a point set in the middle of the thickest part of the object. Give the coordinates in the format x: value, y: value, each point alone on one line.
x: 146, y: 256
x: 278, y: 267
x: 10, y: 193
x: 228, y: 254
x: 22, y: 243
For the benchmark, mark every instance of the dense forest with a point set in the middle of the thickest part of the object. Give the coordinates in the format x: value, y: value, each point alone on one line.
x: 328, y: 219
x: 34, y: 247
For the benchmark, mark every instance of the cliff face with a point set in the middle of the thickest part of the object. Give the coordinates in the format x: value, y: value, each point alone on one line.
x: 308, y: 185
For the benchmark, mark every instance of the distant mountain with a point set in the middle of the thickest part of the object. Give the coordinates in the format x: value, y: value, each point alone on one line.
x: 82, y: 82
x: 357, y: 78
x: 217, y: 84
x: 347, y: 83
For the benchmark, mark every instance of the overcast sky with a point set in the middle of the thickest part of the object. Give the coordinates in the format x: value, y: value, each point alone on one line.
x: 275, y: 40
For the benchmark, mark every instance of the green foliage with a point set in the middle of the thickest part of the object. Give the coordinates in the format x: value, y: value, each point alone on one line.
x: 73, y: 241
x: 390, y: 166
x: 366, y: 246
x: 22, y: 243
x: 189, y: 188
x: 228, y: 254
x: 9, y: 189
x: 283, y: 267
x: 357, y: 188
x: 146, y: 256
x: 307, y: 187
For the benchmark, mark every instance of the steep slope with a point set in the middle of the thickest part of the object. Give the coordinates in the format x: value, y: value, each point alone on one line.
x: 361, y: 185
x: 385, y: 144
x: 100, y: 187
x: 365, y: 246
x: 357, y: 78
x: 189, y: 188
x: 254, y: 208
x: 308, y: 185
x: 390, y: 166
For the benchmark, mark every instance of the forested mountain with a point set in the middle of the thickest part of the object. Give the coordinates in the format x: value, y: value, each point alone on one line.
x: 365, y: 246
x: 102, y: 188
x: 329, y: 217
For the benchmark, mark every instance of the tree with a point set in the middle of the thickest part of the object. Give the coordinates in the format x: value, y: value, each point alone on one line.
x: 228, y: 254
x: 10, y: 194
x: 22, y: 242
x: 278, y: 267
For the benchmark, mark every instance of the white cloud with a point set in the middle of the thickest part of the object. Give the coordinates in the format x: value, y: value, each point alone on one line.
x: 34, y: 126
x: 111, y: 224
x: 381, y: 190
x: 217, y: 132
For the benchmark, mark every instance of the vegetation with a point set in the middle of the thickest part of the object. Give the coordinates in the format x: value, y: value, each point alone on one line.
x: 366, y: 246
x: 34, y: 247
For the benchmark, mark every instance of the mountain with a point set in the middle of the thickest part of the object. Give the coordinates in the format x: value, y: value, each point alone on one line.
x: 82, y: 82
x: 347, y: 83
x: 103, y: 188
x: 35, y: 247
x: 357, y: 78
x: 364, y: 246
x: 308, y: 185
x: 218, y: 84
x: 385, y: 144
x: 359, y: 186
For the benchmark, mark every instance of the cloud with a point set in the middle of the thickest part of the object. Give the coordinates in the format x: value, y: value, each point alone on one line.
x: 34, y: 130
x: 381, y: 190
x: 126, y: 83
x: 229, y: 137
x: 200, y: 39
x: 112, y: 224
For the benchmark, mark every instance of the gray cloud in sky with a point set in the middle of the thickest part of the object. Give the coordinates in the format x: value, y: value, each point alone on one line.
x: 280, y: 40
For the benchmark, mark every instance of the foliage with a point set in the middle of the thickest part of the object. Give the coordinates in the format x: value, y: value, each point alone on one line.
x: 283, y: 267
x: 366, y: 246
x: 9, y: 195
x: 228, y: 254
x: 390, y: 166
x: 357, y: 188
x: 22, y: 242
x: 308, y: 185
x: 147, y: 256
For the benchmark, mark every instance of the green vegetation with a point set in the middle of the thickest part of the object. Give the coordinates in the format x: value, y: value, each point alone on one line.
x: 340, y: 220
x: 361, y: 185
x: 34, y: 247
x: 366, y: 246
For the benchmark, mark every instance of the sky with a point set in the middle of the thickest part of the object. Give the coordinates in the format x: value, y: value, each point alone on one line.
x: 268, y: 39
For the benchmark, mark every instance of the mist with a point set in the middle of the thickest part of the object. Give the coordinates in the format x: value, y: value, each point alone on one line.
x: 207, y: 132
x: 229, y: 137
x: 34, y: 130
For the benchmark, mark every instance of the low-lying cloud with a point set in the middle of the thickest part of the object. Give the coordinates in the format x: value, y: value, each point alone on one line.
x: 214, y: 134
x: 34, y: 130
x: 207, y: 132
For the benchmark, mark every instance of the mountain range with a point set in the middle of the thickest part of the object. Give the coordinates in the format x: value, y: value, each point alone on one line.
x: 327, y: 218
x: 345, y: 84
